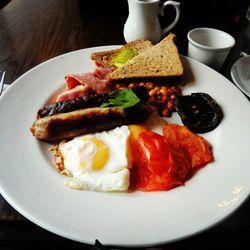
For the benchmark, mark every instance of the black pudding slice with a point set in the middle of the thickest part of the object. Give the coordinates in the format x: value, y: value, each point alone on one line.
x: 199, y: 112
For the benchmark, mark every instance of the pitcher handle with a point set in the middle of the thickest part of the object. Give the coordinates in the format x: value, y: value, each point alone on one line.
x: 176, y: 5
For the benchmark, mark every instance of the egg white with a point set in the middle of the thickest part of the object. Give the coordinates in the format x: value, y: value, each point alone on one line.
x: 78, y: 155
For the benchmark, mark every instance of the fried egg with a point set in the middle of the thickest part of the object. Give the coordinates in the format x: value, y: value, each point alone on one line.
x: 98, y: 161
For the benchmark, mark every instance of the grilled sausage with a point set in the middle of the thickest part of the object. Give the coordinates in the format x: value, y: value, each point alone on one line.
x: 73, y: 104
x: 67, y: 125
x: 90, y: 101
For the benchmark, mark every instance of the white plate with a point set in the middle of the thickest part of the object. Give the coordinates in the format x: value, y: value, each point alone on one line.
x: 30, y: 183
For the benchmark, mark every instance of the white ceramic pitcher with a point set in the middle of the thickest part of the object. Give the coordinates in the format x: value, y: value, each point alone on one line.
x: 143, y: 21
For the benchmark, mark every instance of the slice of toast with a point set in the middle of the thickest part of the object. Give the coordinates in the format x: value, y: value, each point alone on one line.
x: 160, y: 61
x: 105, y: 58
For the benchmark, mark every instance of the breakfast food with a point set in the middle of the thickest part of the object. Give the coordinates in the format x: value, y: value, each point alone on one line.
x: 106, y: 126
x: 161, y: 61
x: 199, y: 112
x: 159, y: 69
x: 128, y: 109
x: 88, y: 119
x: 158, y: 166
x: 132, y: 158
x: 141, y: 57
x: 199, y: 149
x: 97, y: 161
x: 161, y: 96
x: 115, y: 58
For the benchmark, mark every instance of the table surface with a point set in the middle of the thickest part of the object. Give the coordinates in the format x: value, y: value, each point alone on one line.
x: 34, y: 31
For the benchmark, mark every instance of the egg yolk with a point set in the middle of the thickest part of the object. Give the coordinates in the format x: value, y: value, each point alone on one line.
x: 135, y: 130
x: 101, y: 154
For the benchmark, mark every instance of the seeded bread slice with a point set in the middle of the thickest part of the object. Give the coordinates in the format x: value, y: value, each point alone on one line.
x: 105, y: 58
x: 160, y: 61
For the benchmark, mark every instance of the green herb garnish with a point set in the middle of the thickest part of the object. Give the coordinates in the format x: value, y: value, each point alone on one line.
x: 124, y: 98
x: 124, y: 56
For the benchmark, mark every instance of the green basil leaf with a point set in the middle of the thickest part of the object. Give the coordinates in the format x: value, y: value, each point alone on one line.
x: 124, y: 98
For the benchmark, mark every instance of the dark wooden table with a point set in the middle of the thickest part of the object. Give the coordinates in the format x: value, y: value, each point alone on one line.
x: 34, y: 31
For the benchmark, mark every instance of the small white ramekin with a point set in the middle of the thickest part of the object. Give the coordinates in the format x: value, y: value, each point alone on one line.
x: 209, y: 46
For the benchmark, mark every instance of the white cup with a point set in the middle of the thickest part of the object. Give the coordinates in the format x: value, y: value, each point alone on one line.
x: 209, y: 46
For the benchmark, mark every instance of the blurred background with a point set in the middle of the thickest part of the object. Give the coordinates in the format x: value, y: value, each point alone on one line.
x: 221, y: 14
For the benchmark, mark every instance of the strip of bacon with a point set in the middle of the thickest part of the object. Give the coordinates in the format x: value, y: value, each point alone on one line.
x: 78, y: 91
x: 80, y: 85
x: 97, y: 80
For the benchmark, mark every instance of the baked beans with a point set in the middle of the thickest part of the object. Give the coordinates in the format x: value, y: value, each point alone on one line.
x: 162, y: 97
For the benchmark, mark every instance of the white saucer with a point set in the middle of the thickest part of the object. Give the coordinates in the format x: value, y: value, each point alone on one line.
x: 240, y: 73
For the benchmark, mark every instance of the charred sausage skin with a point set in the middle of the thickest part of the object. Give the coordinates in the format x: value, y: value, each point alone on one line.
x: 67, y: 125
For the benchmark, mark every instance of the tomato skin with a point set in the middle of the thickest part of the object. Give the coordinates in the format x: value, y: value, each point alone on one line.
x: 164, y: 162
x: 156, y: 152
x: 71, y: 82
x: 199, y: 149
x: 158, y: 166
